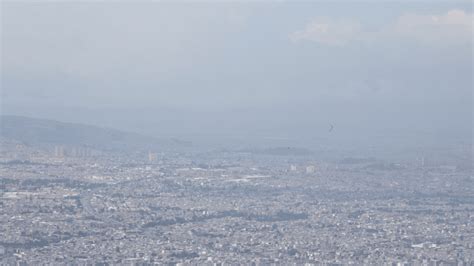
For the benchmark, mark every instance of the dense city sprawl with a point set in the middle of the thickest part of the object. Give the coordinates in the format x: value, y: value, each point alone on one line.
x: 226, y: 207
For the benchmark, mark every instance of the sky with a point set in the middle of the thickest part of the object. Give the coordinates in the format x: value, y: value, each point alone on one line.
x: 245, y: 70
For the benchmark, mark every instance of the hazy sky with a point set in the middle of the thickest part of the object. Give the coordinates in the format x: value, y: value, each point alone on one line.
x: 276, y: 69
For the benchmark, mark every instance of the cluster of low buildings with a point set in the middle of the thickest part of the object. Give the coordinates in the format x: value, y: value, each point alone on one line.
x: 232, y: 208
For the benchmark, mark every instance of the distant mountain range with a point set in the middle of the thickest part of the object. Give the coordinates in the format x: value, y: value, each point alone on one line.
x: 42, y: 132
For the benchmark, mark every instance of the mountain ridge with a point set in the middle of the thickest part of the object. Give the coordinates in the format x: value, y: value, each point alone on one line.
x: 41, y: 132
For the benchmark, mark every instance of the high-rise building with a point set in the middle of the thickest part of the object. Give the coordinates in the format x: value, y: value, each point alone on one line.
x: 59, y: 151
x: 310, y: 169
x: 152, y: 157
x: 80, y: 152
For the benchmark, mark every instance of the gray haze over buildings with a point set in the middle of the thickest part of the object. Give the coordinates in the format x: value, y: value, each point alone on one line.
x: 245, y: 71
x: 254, y: 133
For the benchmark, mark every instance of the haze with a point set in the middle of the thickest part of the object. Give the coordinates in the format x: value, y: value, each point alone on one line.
x: 244, y: 133
x: 245, y: 71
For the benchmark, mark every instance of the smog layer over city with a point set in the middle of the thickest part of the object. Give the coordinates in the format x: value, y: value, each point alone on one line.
x: 236, y: 133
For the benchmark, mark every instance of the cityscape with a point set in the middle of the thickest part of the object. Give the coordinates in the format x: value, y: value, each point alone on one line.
x: 242, y: 132
x: 76, y: 206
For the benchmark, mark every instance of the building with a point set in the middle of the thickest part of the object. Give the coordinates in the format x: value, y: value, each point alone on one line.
x: 59, y: 151
x: 310, y: 169
x: 152, y: 157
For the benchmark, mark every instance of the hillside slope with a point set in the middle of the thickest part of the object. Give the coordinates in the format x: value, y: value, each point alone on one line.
x: 40, y: 132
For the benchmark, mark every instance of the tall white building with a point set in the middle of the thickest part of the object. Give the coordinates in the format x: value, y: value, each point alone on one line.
x: 59, y: 151
x: 152, y: 157
x: 310, y: 169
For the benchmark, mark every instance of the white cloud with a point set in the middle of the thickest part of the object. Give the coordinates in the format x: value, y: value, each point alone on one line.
x: 453, y: 17
x: 455, y: 26
x: 329, y: 32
